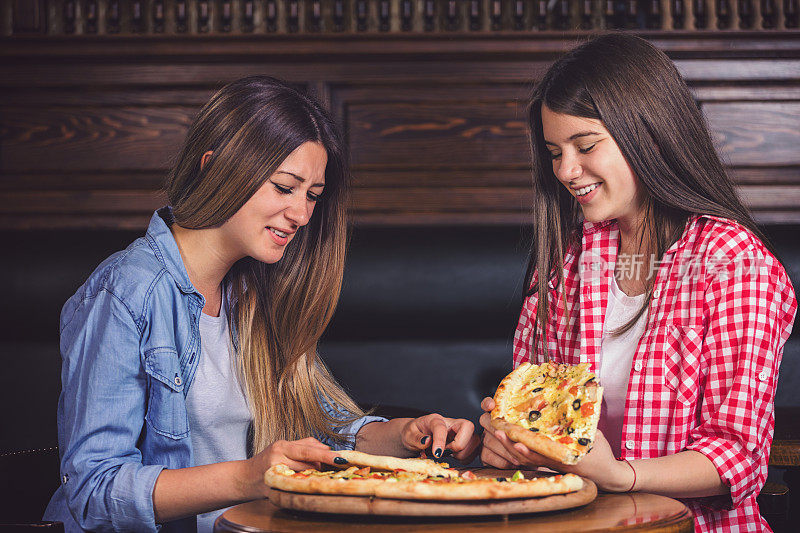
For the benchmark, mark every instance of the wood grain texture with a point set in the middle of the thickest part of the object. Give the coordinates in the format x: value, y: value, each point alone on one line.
x: 92, y: 138
x: 243, y: 17
x: 785, y: 453
x: 435, y: 123
x: 420, y: 134
x: 756, y: 133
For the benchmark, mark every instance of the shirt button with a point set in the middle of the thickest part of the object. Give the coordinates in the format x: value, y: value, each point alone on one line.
x: 629, y: 444
x: 763, y: 375
x: 637, y: 366
x: 178, y: 381
x: 656, y: 293
x: 65, y: 478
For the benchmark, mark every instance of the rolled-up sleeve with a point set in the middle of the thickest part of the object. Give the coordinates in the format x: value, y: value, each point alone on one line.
x: 749, y: 309
x: 349, y: 430
x: 101, y: 414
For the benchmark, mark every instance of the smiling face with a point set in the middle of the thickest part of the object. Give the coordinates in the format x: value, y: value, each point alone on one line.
x: 268, y: 221
x: 588, y: 162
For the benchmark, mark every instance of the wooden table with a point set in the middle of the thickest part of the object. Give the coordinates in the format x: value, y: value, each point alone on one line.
x: 620, y: 512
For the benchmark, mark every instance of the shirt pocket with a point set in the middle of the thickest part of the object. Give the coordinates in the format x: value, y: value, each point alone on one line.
x: 682, y: 362
x: 166, y: 406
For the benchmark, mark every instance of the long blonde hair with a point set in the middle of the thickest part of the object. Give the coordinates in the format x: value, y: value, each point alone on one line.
x: 277, y: 311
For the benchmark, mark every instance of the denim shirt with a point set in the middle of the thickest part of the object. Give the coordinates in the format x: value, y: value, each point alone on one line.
x: 130, y: 344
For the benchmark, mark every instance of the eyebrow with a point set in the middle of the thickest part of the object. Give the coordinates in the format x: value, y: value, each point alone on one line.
x: 298, y: 178
x: 576, y: 136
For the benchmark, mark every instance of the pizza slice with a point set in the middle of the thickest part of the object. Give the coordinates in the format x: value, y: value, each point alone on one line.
x: 387, y: 463
x: 550, y: 408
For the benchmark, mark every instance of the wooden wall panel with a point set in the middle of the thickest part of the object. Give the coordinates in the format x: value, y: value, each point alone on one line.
x: 423, y: 135
x: 756, y: 133
x: 226, y: 17
x: 436, y: 126
x: 92, y: 138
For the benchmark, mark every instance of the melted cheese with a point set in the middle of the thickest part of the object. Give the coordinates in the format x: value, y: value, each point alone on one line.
x: 356, y: 473
x: 556, y: 401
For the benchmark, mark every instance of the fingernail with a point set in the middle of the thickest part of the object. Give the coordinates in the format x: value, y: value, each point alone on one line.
x: 340, y: 460
x: 447, y: 453
x: 437, y: 453
x: 424, y: 439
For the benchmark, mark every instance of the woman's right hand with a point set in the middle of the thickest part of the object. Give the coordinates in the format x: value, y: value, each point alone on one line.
x: 296, y: 454
x: 493, y: 452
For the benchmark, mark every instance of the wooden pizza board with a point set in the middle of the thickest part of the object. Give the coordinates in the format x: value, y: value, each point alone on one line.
x: 365, y: 505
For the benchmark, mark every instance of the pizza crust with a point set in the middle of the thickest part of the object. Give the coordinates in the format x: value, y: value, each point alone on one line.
x: 483, y: 489
x: 537, y: 442
x: 276, y: 477
x: 384, y: 462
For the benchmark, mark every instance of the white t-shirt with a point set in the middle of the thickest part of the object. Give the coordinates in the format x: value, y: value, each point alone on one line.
x: 616, y: 356
x: 218, y: 411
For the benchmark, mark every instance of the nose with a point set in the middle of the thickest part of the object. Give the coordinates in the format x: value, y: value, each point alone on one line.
x: 568, y: 168
x: 299, y: 210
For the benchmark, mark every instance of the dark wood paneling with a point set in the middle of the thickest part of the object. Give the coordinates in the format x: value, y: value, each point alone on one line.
x: 120, y: 180
x: 29, y: 16
x: 422, y: 135
x: 79, y: 203
x: 92, y: 138
x: 441, y: 176
x: 435, y: 123
x: 774, y: 197
x: 766, y: 175
x: 752, y: 133
x: 225, y: 17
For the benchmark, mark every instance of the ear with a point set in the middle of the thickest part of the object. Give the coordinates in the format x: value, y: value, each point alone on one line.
x: 204, y: 159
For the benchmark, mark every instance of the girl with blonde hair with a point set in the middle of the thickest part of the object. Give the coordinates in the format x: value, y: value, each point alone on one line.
x: 208, y: 326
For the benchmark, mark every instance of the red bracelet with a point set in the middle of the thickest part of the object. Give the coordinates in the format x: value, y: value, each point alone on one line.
x: 633, y: 485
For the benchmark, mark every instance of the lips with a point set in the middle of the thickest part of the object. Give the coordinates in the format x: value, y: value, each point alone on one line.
x: 280, y: 236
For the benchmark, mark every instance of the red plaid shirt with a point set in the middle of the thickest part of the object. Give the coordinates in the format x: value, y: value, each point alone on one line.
x: 704, y: 374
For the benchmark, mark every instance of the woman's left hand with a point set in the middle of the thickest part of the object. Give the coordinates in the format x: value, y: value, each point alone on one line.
x: 599, y: 464
x: 438, y: 434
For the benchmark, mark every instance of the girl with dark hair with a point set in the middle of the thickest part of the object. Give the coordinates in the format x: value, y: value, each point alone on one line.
x: 190, y: 358
x: 646, y: 265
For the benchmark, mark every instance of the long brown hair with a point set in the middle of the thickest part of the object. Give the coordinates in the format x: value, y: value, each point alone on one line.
x: 644, y: 103
x: 277, y: 311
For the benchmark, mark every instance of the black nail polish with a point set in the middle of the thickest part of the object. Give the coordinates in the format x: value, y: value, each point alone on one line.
x: 424, y: 439
x: 447, y: 453
x: 437, y: 453
x: 340, y: 460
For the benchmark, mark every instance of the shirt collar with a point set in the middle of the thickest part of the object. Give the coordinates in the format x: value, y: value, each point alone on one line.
x: 609, y: 225
x: 592, y: 227
x: 166, y: 249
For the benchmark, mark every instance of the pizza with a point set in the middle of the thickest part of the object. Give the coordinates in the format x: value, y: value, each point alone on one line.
x: 419, y: 481
x: 550, y: 408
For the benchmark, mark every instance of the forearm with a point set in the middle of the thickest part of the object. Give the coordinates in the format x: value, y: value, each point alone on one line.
x: 199, y: 489
x: 383, y: 438
x: 688, y: 474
